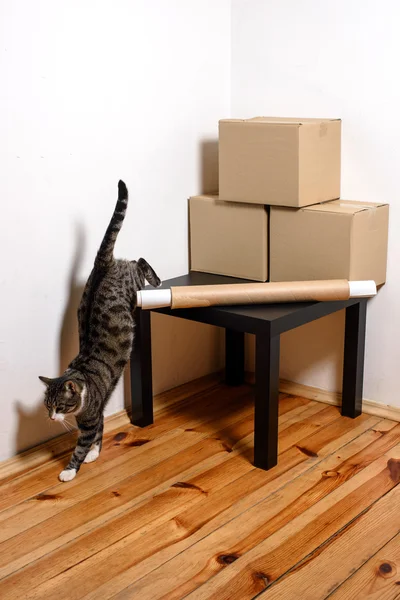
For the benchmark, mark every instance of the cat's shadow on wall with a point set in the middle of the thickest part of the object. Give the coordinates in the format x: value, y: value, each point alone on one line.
x: 69, y: 336
x: 33, y: 423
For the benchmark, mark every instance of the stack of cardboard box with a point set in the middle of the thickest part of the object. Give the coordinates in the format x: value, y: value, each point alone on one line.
x: 278, y: 215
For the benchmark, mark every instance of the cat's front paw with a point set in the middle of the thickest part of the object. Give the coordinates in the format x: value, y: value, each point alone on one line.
x: 92, y: 455
x: 67, y: 474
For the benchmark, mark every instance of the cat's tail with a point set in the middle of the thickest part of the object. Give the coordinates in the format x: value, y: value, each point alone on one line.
x: 105, y: 255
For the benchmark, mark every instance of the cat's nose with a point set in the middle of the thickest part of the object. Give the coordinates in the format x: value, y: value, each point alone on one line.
x: 53, y: 417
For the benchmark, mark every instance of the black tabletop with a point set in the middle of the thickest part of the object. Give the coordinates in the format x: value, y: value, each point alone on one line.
x: 274, y: 317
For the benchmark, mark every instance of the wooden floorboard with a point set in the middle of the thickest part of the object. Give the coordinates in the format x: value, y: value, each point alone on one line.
x: 177, y: 510
x: 377, y: 579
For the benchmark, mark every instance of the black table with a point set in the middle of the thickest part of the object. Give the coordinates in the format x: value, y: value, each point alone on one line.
x: 267, y: 322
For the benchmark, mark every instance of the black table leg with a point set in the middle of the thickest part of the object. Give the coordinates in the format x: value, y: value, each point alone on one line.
x: 353, y: 364
x: 141, y: 372
x: 266, y: 401
x: 234, y: 357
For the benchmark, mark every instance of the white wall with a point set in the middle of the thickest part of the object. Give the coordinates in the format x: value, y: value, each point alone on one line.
x: 92, y: 92
x: 333, y: 59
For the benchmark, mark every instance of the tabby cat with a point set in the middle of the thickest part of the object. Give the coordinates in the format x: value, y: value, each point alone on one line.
x: 106, y: 333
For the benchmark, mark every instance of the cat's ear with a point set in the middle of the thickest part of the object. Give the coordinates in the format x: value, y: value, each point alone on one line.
x: 46, y: 380
x: 71, y: 386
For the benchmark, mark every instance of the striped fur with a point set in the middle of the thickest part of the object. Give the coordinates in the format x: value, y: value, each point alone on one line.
x: 106, y: 334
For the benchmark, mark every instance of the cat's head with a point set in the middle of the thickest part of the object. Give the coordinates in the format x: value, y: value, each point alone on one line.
x: 63, y: 396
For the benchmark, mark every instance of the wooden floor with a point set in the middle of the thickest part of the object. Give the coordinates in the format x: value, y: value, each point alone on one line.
x: 177, y: 510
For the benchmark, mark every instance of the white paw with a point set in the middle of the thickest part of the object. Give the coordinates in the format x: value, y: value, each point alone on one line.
x: 67, y: 474
x: 92, y: 455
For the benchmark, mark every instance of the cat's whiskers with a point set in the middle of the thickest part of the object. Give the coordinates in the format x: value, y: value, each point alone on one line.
x: 66, y: 425
x: 69, y: 424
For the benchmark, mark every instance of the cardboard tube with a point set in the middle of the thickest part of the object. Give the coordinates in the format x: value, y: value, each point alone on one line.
x: 255, y: 293
x: 148, y: 299
x: 360, y: 289
x: 259, y: 293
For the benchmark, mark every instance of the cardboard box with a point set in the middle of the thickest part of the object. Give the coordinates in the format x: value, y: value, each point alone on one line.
x: 228, y: 238
x: 339, y: 239
x: 280, y: 162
